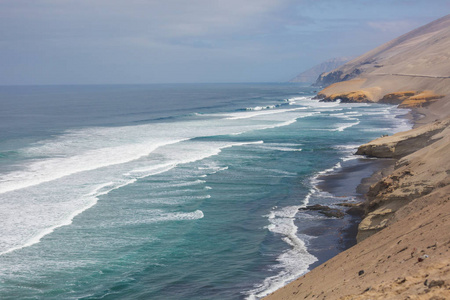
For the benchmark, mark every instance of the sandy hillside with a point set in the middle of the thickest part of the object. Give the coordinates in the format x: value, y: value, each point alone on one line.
x: 417, y: 61
x: 403, y: 249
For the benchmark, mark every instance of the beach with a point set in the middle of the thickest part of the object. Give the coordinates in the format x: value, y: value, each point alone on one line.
x: 351, y: 181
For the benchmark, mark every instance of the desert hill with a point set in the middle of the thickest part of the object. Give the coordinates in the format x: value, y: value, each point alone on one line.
x: 413, y: 67
x: 310, y: 75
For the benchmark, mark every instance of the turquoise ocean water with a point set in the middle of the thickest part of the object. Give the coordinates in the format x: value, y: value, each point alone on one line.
x: 167, y: 191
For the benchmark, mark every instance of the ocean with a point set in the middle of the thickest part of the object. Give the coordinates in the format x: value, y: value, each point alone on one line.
x: 176, y: 191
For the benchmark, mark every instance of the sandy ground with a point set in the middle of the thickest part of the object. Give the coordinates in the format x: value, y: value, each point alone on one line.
x: 387, y: 266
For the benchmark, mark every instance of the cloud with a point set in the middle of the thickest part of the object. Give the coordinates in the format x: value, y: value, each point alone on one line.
x: 91, y: 41
x: 101, y: 18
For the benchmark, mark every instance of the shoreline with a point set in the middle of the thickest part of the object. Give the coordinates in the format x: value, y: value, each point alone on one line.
x: 403, y: 241
x: 333, y: 235
x: 378, y: 267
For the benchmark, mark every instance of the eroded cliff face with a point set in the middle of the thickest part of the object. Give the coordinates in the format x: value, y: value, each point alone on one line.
x: 328, y: 78
x: 404, y: 99
x: 423, y: 166
x: 310, y: 75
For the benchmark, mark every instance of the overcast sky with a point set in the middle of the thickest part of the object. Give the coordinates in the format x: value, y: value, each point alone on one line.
x: 177, y: 41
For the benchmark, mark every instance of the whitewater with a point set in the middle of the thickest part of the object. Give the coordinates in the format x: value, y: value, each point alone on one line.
x: 185, y: 192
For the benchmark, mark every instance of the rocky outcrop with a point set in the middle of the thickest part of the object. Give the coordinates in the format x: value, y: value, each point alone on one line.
x: 420, y: 99
x: 423, y: 167
x: 310, y: 75
x: 397, y: 98
x: 326, y: 79
x: 351, y: 97
x: 403, y: 143
x: 411, y: 99
x: 325, y: 210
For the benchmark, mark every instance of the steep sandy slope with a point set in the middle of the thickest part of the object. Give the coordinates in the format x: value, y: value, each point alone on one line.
x: 403, y: 249
x: 417, y: 62
x: 404, y: 240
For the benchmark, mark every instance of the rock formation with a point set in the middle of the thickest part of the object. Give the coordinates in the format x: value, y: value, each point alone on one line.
x: 423, y: 166
x: 310, y: 75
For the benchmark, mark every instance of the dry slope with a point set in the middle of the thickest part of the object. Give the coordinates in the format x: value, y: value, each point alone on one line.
x: 417, y: 62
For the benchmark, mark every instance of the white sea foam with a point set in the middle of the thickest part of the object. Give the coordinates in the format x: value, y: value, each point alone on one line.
x: 88, y: 201
x: 315, y: 178
x: 343, y: 126
x: 165, y: 217
x: 281, y: 147
x: 291, y: 263
x: 253, y: 114
x: 262, y: 107
x: 346, y: 148
x: 296, y: 261
x: 57, y: 167
x: 187, y: 183
x: 25, y: 222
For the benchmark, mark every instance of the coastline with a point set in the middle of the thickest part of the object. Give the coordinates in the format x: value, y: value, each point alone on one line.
x: 335, y: 235
x: 392, y: 255
x: 351, y: 180
x: 403, y: 241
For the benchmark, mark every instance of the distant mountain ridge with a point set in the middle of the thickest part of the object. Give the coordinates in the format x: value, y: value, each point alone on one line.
x: 311, y: 75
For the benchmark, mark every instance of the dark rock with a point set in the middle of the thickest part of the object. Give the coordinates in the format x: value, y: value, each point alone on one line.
x: 361, y: 272
x: 357, y: 211
x: 437, y: 298
x: 436, y: 283
x: 325, y: 210
x: 316, y: 207
x: 400, y: 280
x: 319, y: 96
x: 326, y: 79
x: 333, y: 213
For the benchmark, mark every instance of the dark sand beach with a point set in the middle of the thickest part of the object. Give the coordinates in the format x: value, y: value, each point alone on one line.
x: 334, y: 235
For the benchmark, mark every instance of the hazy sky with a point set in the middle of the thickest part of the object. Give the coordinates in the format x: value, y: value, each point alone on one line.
x: 165, y: 41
